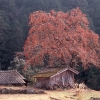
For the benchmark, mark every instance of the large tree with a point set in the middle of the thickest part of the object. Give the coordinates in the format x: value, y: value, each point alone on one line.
x: 61, y: 38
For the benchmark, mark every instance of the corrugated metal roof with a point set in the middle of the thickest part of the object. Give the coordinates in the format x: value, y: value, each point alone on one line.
x: 48, y: 72
x: 11, y: 77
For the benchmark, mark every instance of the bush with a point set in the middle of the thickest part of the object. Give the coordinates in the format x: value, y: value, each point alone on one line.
x: 90, y: 76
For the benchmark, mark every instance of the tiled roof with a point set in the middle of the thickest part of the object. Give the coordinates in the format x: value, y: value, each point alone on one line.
x: 48, y: 72
x: 11, y: 77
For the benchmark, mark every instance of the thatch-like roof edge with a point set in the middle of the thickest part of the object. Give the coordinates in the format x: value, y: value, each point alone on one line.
x: 11, y: 77
x: 53, y: 73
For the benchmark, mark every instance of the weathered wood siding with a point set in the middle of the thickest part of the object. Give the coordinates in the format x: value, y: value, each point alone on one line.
x: 65, y: 78
x: 42, y: 82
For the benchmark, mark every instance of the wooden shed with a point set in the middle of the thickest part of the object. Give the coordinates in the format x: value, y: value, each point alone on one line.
x: 51, y: 77
x: 11, y: 77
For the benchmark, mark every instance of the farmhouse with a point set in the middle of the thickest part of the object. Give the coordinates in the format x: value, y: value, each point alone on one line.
x: 51, y: 77
x: 11, y: 77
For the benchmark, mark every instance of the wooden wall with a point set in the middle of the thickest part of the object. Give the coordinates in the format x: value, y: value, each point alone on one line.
x: 64, y: 79
x: 42, y: 82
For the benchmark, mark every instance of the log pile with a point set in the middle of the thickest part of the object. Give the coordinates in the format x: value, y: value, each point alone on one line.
x: 60, y: 86
x: 20, y: 91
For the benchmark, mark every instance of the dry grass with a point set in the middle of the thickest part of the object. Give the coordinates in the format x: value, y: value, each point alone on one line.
x: 51, y: 95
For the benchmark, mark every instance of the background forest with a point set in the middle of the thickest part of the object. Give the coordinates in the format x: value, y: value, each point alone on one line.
x: 14, y: 22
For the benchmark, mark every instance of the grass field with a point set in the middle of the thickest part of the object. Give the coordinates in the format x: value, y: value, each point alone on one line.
x: 53, y: 95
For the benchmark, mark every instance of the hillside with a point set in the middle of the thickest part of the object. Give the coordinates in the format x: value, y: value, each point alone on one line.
x: 14, y: 21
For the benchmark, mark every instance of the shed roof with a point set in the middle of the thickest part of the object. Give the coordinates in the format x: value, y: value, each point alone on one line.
x: 50, y: 72
x: 11, y: 77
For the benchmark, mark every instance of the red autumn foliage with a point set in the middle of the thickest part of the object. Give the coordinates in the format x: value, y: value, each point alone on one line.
x: 61, y: 38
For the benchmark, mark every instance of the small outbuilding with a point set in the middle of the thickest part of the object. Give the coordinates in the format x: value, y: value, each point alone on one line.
x: 11, y: 77
x: 59, y: 77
